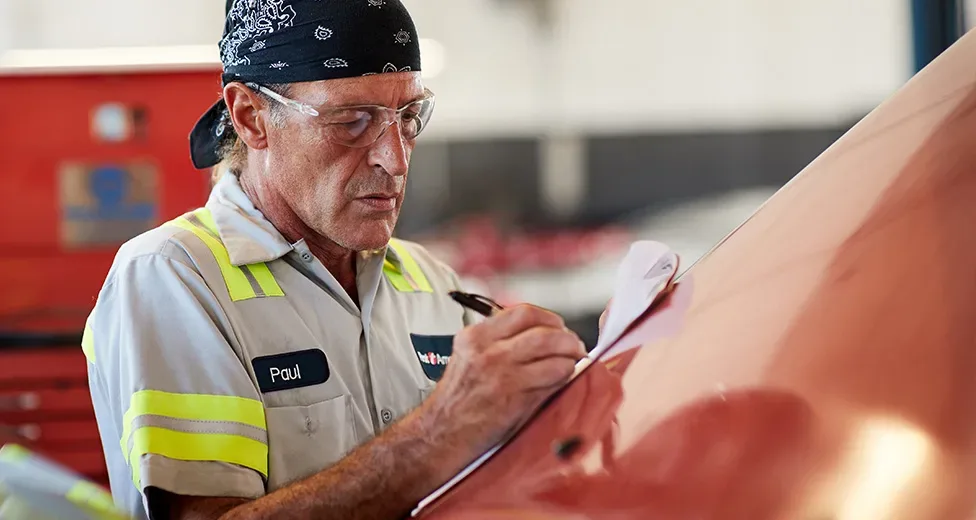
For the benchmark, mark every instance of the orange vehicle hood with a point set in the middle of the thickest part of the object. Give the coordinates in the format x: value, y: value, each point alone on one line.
x: 820, y: 363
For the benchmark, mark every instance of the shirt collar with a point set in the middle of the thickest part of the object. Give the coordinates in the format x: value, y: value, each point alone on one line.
x: 248, y: 236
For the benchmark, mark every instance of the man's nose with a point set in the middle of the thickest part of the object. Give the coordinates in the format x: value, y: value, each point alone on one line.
x: 391, y: 152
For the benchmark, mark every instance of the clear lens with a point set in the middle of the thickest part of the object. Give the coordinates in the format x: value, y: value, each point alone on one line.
x: 352, y: 125
x: 361, y: 126
x: 414, y: 118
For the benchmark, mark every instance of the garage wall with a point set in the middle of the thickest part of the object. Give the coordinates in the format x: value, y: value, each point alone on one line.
x: 653, y: 64
x: 604, y: 66
x: 52, y: 24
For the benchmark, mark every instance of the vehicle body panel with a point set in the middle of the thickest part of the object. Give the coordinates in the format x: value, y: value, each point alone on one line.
x: 819, y: 363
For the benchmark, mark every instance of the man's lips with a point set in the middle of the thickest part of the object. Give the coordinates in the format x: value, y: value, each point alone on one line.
x: 380, y: 201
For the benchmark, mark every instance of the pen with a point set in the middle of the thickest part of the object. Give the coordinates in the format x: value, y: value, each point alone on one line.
x: 483, y: 305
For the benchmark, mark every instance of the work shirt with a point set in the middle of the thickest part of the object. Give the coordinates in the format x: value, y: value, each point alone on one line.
x: 226, y: 361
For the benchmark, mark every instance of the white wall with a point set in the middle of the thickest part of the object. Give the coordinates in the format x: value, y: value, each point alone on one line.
x: 732, y: 61
x: 52, y: 24
x: 610, y: 64
x: 6, y: 33
x: 655, y: 63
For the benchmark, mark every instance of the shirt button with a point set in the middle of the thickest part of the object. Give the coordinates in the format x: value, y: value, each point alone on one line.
x: 387, y: 416
x: 306, y: 256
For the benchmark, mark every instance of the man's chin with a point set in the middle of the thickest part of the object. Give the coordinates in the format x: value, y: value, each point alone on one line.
x: 370, y: 237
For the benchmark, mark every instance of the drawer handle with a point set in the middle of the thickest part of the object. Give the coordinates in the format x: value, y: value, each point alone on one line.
x: 31, y: 432
x: 24, y: 401
x: 29, y: 401
x: 28, y: 432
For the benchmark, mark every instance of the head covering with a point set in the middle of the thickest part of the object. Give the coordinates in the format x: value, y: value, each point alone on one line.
x: 290, y: 41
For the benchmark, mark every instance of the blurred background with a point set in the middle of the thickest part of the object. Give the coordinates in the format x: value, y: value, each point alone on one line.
x: 564, y: 130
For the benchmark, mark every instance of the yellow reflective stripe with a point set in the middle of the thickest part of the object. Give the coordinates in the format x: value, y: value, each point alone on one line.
x: 14, y: 453
x: 194, y: 407
x: 410, y: 267
x: 237, y: 284
x: 88, y: 340
x: 207, y: 218
x: 94, y: 501
x: 219, y: 447
x: 266, y: 280
x: 393, y: 274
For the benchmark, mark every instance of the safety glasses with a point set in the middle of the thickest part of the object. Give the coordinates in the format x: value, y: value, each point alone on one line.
x: 359, y: 126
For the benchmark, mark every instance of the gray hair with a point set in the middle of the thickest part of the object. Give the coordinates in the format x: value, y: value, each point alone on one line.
x: 232, y: 150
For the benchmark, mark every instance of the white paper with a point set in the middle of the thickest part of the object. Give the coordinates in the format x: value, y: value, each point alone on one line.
x: 644, y: 273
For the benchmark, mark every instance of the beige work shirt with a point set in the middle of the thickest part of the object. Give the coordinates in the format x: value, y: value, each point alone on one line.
x: 226, y: 361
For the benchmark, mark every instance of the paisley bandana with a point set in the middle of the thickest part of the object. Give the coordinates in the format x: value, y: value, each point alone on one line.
x: 290, y: 41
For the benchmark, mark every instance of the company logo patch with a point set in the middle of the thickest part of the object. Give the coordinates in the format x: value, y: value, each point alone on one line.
x: 433, y: 352
x: 291, y: 370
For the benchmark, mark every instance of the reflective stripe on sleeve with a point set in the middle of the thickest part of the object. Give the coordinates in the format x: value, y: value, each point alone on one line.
x: 88, y: 340
x: 211, y: 447
x: 195, y: 427
x: 410, y: 278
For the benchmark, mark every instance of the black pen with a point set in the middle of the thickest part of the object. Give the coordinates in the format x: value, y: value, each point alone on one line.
x: 483, y: 305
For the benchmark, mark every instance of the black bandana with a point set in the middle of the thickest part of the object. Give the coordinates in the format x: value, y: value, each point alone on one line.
x: 290, y: 41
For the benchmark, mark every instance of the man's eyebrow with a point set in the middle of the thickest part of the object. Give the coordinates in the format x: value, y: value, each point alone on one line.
x: 339, y: 101
x: 415, y: 99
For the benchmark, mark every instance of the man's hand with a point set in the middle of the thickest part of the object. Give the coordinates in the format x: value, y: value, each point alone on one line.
x: 501, y: 369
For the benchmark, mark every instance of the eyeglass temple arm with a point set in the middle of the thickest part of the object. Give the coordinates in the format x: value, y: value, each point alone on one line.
x: 301, y: 107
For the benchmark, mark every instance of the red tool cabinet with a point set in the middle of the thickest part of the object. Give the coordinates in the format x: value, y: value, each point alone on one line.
x: 45, y: 406
x: 90, y: 159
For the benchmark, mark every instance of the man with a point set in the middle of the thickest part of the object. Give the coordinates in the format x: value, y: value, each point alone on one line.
x: 275, y: 354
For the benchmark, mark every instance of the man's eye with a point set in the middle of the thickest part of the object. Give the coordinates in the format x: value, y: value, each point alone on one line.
x: 348, y: 117
x: 354, y: 124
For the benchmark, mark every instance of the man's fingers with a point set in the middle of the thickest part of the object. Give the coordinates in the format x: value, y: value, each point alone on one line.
x: 544, y: 342
x: 548, y: 372
x: 603, y: 316
x: 512, y: 321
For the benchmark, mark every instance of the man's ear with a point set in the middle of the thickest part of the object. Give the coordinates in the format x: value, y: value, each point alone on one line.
x: 250, y: 122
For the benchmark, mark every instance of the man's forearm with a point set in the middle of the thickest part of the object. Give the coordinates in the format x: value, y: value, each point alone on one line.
x: 381, y: 479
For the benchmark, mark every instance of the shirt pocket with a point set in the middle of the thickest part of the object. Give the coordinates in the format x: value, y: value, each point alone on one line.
x: 303, y: 440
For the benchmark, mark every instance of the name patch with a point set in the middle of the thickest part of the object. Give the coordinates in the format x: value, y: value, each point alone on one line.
x: 433, y: 352
x: 291, y: 370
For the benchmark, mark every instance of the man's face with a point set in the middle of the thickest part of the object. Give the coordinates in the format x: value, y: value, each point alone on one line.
x: 352, y: 196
